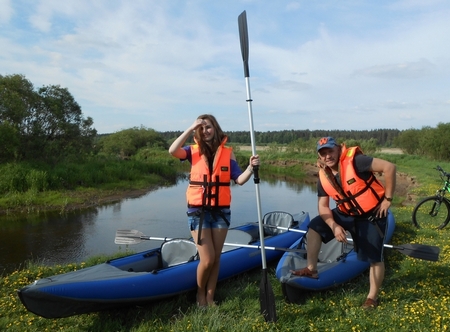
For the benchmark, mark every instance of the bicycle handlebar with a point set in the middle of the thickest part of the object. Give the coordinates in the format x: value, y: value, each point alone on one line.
x: 444, y: 173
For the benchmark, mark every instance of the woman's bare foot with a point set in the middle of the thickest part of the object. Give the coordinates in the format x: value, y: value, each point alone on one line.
x: 201, y: 301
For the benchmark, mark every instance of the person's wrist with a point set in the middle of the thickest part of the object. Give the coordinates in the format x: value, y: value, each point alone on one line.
x: 389, y: 199
x: 250, y: 169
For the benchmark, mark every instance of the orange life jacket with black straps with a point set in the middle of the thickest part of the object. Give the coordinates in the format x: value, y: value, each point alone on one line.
x: 353, y: 195
x: 210, y: 188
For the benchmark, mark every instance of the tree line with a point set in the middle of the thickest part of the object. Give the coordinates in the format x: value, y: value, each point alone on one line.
x: 428, y: 141
x: 47, y: 125
x: 383, y: 137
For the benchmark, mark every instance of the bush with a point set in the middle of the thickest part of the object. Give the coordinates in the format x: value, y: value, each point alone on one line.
x: 21, y: 177
x: 126, y: 143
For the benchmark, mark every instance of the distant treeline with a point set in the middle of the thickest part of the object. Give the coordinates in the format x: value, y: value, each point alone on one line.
x: 383, y: 137
x: 46, y: 125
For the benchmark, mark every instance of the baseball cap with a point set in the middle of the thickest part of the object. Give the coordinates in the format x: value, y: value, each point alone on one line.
x: 326, y: 142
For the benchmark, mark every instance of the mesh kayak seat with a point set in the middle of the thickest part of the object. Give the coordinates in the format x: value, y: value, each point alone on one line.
x: 177, y: 251
x: 236, y: 236
x: 278, y: 219
x: 333, y: 250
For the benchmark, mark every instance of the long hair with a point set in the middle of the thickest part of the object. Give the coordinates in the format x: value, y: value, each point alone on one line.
x: 209, y: 149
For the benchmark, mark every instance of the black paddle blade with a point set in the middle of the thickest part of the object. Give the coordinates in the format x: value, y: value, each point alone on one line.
x: 243, y: 35
x: 421, y: 251
x: 267, y: 299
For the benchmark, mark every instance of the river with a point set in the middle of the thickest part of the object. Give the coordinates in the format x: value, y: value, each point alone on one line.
x: 54, y: 238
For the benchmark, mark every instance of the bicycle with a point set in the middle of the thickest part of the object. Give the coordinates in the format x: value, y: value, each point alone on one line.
x: 434, y: 210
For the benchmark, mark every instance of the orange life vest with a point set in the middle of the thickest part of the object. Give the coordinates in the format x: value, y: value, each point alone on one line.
x: 210, y: 188
x: 353, y: 196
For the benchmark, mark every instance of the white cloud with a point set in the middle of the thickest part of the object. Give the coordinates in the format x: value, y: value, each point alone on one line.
x: 407, y: 70
x: 161, y: 64
x: 293, y: 6
x: 415, y: 4
x: 394, y: 104
x: 291, y: 85
x: 6, y: 11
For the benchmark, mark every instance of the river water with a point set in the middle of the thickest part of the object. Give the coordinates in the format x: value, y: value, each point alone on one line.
x: 71, y: 238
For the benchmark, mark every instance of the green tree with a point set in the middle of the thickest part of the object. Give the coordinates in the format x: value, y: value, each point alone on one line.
x: 441, y: 141
x: 126, y: 143
x: 426, y: 142
x: 408, y: 141
x: 368, y: 146
x: 58, y: 126
x: 17, y: 100
x: 9, y: 141
x: 46, y: 124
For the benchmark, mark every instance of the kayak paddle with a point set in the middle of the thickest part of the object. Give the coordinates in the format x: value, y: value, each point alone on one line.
x: 266, y: 296
x: 133, y: 236
x: 420, y: 251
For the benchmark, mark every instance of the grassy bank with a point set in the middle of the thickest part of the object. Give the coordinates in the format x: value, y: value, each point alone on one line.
x: 38, y: 187
x: 415, y: 295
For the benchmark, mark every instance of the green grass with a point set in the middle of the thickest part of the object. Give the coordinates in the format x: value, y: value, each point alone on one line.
x: 33, y: 188
x: 415, y: 295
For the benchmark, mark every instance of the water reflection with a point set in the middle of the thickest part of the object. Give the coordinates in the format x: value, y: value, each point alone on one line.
x: 73, y: 237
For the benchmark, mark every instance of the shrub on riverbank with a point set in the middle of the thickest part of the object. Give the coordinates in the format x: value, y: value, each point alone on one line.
x: 36, y: 187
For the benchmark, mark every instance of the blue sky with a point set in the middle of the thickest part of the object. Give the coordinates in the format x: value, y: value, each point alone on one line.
x: 347, y: 64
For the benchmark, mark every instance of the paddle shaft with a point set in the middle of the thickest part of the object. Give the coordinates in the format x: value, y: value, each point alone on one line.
x: 266, y: 296
x: 122, y: 238
x: 421, y: 251
x: 243, y: 34
x: 304, y: 232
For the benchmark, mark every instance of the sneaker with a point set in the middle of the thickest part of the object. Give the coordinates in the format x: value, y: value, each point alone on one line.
x: 305, y: 272
x: 369, y: 304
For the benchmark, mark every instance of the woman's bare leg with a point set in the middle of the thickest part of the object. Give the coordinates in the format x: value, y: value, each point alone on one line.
x: 207, y: 256
x: 218, y: 236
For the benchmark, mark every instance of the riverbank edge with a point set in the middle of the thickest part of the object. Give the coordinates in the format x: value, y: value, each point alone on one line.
x: 83, y: 200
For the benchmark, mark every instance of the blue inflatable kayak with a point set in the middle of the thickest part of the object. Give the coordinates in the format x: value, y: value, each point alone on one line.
x: 158, y: 273
x: 337, y: 264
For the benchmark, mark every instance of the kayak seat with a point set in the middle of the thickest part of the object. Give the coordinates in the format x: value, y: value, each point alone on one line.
x: 236, y: 236
x: 277, y: 219
x: 333, y: 251
x: 177, y: 251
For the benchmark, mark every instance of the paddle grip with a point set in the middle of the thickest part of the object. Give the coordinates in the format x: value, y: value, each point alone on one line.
x: 256, y: 174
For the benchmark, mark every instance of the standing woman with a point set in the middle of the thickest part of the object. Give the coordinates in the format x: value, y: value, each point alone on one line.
x: 213, y: 166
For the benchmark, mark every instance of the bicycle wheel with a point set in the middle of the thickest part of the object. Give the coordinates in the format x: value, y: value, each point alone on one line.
x: 432, y: 212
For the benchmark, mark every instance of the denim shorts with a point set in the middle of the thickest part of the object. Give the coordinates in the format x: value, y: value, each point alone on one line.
x: 210, y: 219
